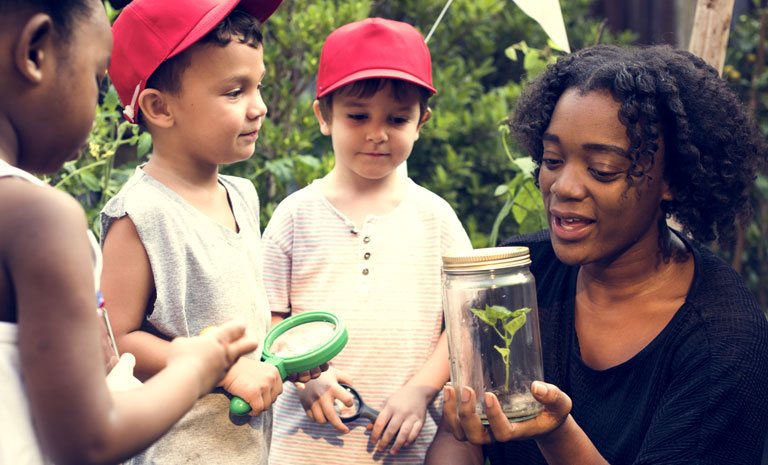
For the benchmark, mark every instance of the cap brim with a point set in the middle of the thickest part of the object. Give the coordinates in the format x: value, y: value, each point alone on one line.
x: 376, y: 73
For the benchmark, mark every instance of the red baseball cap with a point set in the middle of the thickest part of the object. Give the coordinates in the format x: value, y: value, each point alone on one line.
x: 374, y: 48
x: 148, y: 32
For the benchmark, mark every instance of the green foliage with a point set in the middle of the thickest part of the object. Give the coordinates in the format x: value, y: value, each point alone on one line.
x: 92, y: 178
x: 747, y: 74
x: 484, y: 52
x: 460, y: 155
x: 505, y: 323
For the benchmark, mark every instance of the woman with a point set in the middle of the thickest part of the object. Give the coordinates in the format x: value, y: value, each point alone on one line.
x: 655, y: 350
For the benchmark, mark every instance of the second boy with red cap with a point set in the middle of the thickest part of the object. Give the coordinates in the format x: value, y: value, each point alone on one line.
x: 181, y: 243
x: 366, y: 242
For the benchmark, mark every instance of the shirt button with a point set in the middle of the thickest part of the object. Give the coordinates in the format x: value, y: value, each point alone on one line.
x: 367, y: 239
x: 367, y: 255
x: 365, y: 271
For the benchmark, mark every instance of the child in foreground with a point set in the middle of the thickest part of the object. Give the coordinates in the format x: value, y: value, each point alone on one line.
x: 54, y: 401
x: 182, y: 245
x: 366, y: 242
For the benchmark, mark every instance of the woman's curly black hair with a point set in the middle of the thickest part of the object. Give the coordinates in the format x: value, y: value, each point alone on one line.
x: 712, y: 150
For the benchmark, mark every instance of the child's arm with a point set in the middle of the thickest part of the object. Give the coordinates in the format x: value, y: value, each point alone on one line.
x: 447, y: 450
x: 76, y: 417
x: 406, y: 409
x: 128, y: 286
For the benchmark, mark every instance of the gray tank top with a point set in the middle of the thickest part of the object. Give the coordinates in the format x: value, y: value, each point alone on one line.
x: 205, y: 274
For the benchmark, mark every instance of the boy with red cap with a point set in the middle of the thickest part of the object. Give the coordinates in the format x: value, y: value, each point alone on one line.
x: 366, y: 243
x: 182, y: 247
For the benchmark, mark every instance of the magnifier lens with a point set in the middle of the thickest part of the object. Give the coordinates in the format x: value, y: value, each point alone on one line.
x: 345, y: 412
x: 302, y: 339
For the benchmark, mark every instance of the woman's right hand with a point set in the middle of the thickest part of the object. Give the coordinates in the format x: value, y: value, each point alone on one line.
x: 212, y: 354
x: 318, y: 397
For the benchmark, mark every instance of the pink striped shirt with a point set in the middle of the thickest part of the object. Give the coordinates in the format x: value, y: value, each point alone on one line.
x: 384, y: 280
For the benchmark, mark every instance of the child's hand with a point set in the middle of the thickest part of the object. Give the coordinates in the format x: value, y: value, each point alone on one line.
x: 305, y: 376
x: 121, y: 378
x: 405, y: 411
x: 318, y: 398
x: 255, y: 382
x: 212, y: 354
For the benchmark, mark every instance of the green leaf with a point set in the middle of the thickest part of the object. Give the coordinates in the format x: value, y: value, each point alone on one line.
x: 481, y: 314
x: 520, y: 311
x: 503, y: 351
x: 144, y: 145
x: 90, y: 180
x: 501, y: 190
x: 515, y: 324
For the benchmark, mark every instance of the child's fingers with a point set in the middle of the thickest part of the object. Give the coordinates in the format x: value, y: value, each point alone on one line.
x: 329, y: 410
x: 233, y: 337
x: 386, y: 436
x: 408, y: 432
x: 316, y: 413
x: 380, y: 424
x: 343, y: 395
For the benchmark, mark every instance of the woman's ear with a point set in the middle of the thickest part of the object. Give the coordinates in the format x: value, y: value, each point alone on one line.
x: 325, y: 127
x: 155, y: 109
x: 33, y: 51
x: 666, y: 193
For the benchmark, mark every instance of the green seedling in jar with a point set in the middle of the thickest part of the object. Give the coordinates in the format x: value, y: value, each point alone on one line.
x: 505, y: 323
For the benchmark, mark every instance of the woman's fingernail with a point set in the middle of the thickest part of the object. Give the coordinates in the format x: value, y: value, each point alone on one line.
x: 446, y: 395
x: 539, y: 388
x: 464, y: 395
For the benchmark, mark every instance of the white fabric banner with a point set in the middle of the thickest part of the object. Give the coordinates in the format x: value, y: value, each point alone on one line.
x: 549, y: 15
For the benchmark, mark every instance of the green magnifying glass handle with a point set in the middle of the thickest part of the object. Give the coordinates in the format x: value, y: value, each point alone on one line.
x: 237, y: 406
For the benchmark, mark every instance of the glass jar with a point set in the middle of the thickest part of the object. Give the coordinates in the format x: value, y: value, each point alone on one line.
x: 489, y: 301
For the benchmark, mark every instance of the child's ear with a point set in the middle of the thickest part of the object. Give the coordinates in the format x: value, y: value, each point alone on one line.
x: 424, y: 119
x: 325, y: 128
x: 33, y: 51
x: 155, y: 109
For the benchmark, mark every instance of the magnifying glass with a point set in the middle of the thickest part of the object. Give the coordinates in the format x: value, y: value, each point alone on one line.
x: 299, y: 343
x: 358, y: 409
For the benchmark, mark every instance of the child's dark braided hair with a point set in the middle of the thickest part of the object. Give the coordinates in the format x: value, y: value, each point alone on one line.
x: 712, y: 150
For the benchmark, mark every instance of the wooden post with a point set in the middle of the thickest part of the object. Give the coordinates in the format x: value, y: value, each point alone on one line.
x: 711, y: 26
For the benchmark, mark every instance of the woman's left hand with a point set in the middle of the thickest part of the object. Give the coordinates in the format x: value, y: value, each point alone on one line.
x: 466, y: 426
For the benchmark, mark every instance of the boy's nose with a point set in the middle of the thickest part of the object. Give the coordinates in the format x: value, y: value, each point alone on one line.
x: 376, y: 134
x: 257, y: 107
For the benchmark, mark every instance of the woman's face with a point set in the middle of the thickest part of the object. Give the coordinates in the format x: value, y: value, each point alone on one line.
x: 595, y: 215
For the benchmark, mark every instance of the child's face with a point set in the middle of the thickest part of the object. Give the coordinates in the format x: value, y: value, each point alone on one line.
x: 594, y: 215
x: 67, y: 96
x: 372, y: 136
x: 220, y: 110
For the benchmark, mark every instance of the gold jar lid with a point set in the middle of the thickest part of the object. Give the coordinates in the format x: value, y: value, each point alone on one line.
x: 491, y: 258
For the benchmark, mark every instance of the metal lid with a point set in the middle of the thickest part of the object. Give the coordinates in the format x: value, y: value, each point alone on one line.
x: 491, y: 258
